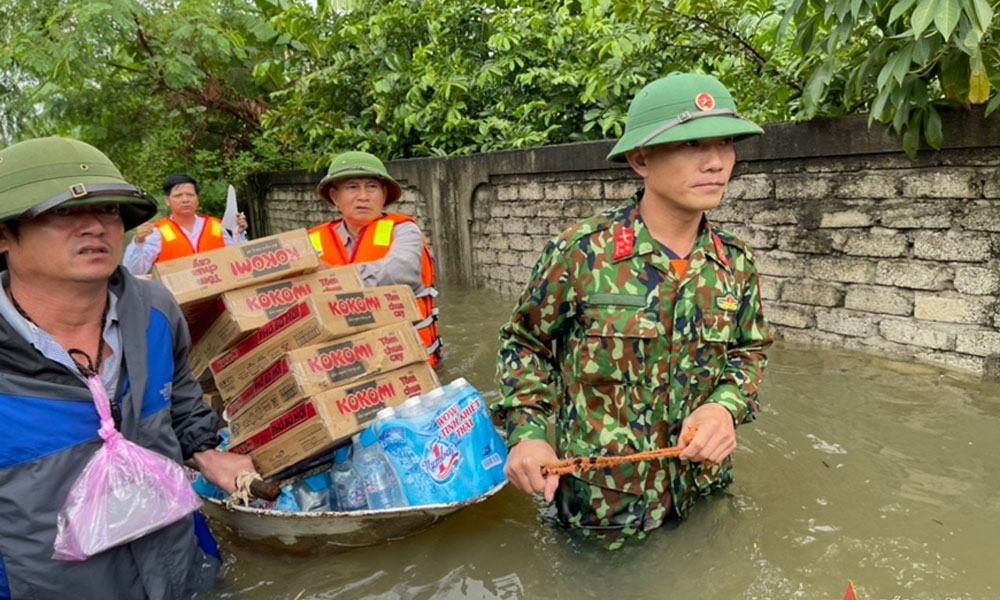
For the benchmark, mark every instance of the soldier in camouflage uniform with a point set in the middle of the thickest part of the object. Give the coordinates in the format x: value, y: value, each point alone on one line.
x: 638, y: 323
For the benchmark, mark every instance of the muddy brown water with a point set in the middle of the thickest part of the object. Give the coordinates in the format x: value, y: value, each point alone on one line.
x: 880, y: 472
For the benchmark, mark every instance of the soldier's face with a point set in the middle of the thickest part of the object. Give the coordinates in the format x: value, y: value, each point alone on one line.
x: 63, y: 245
x: 360, y: 199
x: 687, y: 176
x: 183, y: 200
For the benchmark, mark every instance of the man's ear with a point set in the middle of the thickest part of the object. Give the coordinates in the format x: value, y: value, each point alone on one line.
x: 5, y: 238
x: 637, y: 160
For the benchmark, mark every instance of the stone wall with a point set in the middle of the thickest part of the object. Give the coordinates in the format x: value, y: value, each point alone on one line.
x: 859, y: 247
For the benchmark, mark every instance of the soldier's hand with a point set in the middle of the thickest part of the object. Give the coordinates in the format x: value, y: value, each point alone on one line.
x: 142, y: 232
x: 716, y: 437
x: 524, y: 468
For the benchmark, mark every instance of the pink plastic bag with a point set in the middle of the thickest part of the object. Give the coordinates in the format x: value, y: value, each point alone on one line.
x: 124, y: 493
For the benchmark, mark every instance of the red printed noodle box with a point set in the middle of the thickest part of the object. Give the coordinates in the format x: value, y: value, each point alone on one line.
x: 325, y: 420
x: 311, y: 321
x: 248, y: 308
x: 314, y: 369
x: 204, y: 276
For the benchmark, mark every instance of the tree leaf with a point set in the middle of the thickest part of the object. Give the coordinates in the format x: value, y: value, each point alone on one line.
x: 887, y: 69
x: 984, y: 13
x: 923, y: 48
x: 902, y: 65
x: 898, y: 8
x: 954, y: 76
x: 992, y: 106
x: 932, y: 128
x: 816, y: 86
x: 979, y: 81
x: 922, y: 16
x: 946, y: 16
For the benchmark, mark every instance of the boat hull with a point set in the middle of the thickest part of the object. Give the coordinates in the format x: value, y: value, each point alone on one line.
x: 311, y: 531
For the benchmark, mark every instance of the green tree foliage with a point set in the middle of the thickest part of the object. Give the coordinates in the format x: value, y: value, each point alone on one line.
x: 159, y: 85
x: 435, y: 77
x: 221, y: 88
x: 900, y: 60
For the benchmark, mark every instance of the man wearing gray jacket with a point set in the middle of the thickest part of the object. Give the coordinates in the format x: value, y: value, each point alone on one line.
x: 67, y: 309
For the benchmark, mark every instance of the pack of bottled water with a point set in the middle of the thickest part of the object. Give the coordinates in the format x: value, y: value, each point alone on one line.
x: 437, y: 448
x: 442, y: 445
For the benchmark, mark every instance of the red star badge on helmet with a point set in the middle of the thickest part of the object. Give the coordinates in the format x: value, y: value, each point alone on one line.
x: 704, y: 101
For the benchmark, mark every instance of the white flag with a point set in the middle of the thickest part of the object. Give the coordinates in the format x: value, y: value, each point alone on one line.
x: 229, y: 217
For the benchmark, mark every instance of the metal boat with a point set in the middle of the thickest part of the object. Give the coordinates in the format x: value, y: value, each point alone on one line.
x: 329, y: 530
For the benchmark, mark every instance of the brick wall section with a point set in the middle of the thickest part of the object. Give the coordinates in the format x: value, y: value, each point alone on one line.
x: 858, y: 246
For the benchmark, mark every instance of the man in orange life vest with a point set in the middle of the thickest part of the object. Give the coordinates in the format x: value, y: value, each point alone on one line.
x: 183, y: 232
x: 388, y: 248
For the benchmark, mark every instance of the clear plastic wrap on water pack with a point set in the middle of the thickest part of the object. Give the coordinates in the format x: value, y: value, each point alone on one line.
x: 443, y: 447
x: 382, y: 485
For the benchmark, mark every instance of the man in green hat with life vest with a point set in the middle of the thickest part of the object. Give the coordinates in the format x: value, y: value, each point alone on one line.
x: 638, y: 324
x: 387, y: 247
x: 69, y: 315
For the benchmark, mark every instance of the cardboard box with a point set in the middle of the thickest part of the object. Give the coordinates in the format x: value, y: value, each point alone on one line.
x: 314, y: 369
x: 246, y: 309
x: 199, y: 277
x: 327, y: 419
x: 311, y: 321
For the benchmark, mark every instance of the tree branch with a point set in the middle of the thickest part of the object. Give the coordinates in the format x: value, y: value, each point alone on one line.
x: 124, y: 68
x: 142, y: 36
x: 752, y: 52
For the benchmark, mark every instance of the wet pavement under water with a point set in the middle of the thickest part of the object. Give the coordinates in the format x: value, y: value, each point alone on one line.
x: 880, y: 472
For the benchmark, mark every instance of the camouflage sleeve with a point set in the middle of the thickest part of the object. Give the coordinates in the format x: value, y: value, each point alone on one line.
x: 527, y: 366
x: 737, y: 387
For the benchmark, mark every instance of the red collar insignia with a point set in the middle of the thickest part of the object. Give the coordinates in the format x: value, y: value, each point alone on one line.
x: 624, y: 243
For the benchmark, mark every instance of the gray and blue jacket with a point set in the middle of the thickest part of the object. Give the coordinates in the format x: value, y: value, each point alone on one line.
x: 48, y: 432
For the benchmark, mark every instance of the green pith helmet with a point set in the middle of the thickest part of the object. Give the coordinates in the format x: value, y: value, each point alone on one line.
x: 40, y: 174
x: 681, y: 107
x: 358, y: 164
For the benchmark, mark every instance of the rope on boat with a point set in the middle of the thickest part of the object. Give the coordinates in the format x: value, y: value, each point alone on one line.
x: 242, y: 496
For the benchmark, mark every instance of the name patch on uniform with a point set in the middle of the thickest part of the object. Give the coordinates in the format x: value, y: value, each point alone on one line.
x: 624, y: 242
x: 727, y: 301
x: 617, y: 300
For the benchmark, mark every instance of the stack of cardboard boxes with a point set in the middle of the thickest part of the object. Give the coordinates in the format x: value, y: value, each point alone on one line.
x: 296, y: 357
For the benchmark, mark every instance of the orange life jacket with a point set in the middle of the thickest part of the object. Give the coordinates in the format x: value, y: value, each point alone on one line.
x: 176, y: 243
x: 374, y: 243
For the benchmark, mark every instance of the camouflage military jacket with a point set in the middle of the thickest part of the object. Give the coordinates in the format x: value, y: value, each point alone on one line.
x: 603, y: 338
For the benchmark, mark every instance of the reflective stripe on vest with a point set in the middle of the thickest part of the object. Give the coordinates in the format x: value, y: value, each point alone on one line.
x: 175, y: 244
x: 373, y: 244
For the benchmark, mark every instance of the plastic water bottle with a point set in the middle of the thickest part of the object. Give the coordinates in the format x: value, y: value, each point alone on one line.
x: 412, y: 408
x: 348, y: 487
x: 489, y: 448
x: 435, y: 399
x: 399, y: 439
x: 312, y: 494
x: 461, y: 389
x: 381, y: 417
x: 382, y: 487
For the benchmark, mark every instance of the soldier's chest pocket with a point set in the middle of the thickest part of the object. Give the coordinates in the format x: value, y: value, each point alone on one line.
x: 620, y: 346
x: 717, y: 326
x: 717, y: 329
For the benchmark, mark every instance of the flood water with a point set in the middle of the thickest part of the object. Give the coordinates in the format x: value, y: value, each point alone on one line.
x: 880, y: 472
